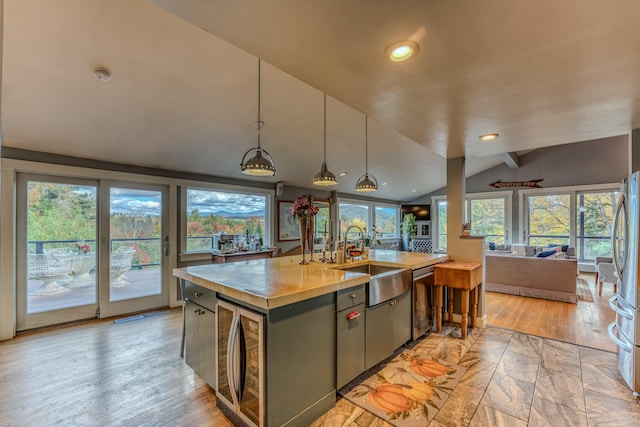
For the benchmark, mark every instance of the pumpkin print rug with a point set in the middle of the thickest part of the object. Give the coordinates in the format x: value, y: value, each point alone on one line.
x: 409, y: 390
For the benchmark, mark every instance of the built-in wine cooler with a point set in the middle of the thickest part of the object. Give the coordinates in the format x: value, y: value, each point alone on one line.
x: 240, y: 344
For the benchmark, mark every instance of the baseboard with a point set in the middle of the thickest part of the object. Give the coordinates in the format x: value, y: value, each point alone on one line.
x: 313, y: 412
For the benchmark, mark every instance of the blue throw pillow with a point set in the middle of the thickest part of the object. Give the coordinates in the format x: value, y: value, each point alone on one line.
x: 492, y: 246
x: 545, y: 254
x: 555, y: 245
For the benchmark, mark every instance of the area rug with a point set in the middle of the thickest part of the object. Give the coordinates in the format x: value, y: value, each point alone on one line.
x: 407, y: 391
x: 583, y: 291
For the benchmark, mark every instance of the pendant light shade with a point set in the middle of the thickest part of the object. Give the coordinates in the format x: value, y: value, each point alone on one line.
x: 325, y: 177
x: 366, y: 183
x: 261, y: 163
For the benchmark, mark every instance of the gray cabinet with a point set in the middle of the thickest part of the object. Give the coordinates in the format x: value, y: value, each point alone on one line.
x: 200, y: 332
x: 388, y: 326
x: 350, y: 334
x: 401, y: 320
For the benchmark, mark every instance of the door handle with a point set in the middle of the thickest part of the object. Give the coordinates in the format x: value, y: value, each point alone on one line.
x: 614, y: 236
x: 165, y: 246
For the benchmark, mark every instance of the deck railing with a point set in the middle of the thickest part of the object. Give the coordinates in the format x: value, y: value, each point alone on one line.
x: 151, y: 246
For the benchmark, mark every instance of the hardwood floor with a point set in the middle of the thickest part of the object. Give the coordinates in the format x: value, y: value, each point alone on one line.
x: 584, y: 323
x: 104, y: 374
x: 130, y: 373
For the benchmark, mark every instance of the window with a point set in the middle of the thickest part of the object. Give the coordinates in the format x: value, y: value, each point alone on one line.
x: 594, y: 217
x: 210, y: 213
x: 577, y: 216
x: 441, y: 228
x: 490, y: 215
x: 548, y: 219
x: 386, y: 222
x: 385, y: 218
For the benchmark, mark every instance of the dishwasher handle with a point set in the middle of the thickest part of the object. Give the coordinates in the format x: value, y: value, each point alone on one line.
x: 423, y: 272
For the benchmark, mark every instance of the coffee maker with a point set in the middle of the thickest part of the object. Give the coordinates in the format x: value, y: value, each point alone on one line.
x: 225, y: 244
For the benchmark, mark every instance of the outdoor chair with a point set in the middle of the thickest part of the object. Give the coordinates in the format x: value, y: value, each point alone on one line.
x: 65, y: 256
x: 49, y: 270
x: 606, y: 272
x: 121, y: 260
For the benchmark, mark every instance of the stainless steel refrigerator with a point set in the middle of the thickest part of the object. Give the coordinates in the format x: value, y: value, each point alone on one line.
x: 625, y: 331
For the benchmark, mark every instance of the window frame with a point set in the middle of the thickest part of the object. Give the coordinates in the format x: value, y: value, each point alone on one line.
x: 186, y: 256
x: 573, y: 192
x: 371, y: 213
x: 507, y: 195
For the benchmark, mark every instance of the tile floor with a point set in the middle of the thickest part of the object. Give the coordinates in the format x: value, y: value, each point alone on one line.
x: 515, y: 379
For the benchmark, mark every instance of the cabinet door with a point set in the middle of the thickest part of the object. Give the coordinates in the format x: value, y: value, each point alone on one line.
x: 225, y: 316
x: 207, y: 351
x: 401, y: 320
x: 350, y: 344
x: 200, y: 328
x: 192, y: 355
x: 378, y: 344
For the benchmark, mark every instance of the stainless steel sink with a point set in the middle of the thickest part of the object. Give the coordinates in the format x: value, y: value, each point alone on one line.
x: 385, y: 282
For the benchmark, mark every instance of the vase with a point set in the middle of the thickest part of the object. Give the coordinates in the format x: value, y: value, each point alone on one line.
x: 310, y: 240
x: 303, y: 223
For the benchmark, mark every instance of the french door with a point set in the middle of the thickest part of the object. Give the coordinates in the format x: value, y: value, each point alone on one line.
x: 87, y: 249
x: 135, y: 245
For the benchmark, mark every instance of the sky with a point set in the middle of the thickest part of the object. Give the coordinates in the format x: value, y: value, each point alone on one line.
x: 127, y: 200
x: 208, y: 202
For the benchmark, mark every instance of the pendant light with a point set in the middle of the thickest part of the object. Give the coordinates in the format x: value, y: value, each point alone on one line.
x: 258, y: 165
x: 365, y: 183
x: 325, y: 177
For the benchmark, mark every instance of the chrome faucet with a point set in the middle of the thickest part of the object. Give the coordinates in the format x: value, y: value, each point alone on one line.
x: 344, y: 243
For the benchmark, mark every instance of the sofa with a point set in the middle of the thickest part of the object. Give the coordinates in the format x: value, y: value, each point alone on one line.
x: 552, y: 278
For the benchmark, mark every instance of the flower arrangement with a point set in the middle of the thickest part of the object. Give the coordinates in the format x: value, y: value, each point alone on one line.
x: 83, y: 248
x: 303, y: 207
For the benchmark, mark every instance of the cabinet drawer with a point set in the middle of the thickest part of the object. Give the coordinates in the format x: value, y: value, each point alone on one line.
x: 202, y: 296
x: 350, y: 297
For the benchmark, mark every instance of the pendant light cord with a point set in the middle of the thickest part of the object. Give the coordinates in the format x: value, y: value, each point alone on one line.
x: 325, y: 128
x: 259, y: 124
x: 366, y: 145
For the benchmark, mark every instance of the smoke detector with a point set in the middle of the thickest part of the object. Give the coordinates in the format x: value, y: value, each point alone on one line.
x: 102, y: 74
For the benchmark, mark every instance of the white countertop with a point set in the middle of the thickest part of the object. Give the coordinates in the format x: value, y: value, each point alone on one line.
x: 275, y: 282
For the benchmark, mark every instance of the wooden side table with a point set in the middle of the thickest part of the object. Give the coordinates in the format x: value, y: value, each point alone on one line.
x: 466, y: 276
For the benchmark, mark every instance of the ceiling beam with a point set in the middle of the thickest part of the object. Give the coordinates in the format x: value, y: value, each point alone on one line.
x: 511, y: 159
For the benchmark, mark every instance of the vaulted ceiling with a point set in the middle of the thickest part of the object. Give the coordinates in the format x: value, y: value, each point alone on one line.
x: 183, y: 87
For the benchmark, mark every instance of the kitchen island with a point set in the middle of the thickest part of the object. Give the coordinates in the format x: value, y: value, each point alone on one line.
x: 277, y: 331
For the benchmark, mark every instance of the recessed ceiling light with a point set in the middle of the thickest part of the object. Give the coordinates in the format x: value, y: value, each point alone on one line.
x: 414, y: 190
x: 489, y: 136
x: 384, y: 183
x: 402, y: 51
x: 342, y: 174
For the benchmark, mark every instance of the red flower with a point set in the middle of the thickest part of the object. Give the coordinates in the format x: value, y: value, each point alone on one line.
x: 303, y: 206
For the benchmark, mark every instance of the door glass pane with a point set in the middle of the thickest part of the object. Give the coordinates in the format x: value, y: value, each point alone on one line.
x: 549, y: 219
x: 488, y: 219
x: 250, y: 399
x: 61, y: 235
x: 135, y: 247
x: 594, y: 224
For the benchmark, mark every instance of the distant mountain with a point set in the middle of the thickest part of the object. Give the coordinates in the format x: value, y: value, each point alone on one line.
x: 228, y: 214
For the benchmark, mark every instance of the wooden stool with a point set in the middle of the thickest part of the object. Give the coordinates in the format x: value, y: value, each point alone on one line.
x: 466, y: 276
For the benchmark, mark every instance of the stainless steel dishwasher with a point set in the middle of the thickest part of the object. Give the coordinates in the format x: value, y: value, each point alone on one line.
x: 423, y: 302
